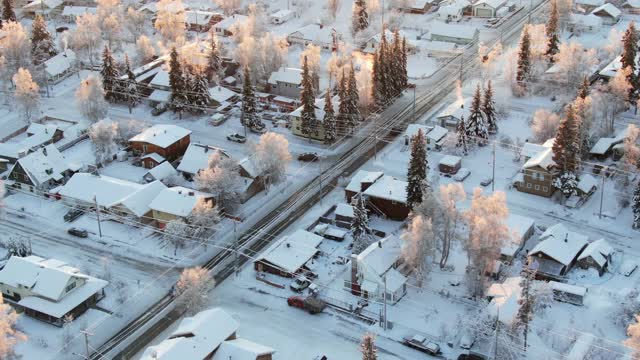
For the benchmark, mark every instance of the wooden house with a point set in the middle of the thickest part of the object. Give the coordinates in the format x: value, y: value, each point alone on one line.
x: 557, y: 252
x: 289, y: 255
x: 177, y: 203
x: 596, y: 255
x: 168, y: 141
x: 41, y: 170
x: 449, y: 164
x: 537, y: 174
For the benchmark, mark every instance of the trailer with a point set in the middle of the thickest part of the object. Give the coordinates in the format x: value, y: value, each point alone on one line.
x: 421, y: 343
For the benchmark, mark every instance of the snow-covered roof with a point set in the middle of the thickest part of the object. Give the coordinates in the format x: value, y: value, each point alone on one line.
x: 363, y: 176
x: 518, y: 226
x: 199, y: 17
x: 434, y: 45
x: 291, y: 252
x: 593, y: 3
x: 457, y: 109
x: 568, y: 288
x: 453, y: 9
x: 345, y: 210
x: 389, y: 188
x: 172, y: 7
x: 315, y: 33
x: 178, y: 201
x: 560, y: 244
x: 381, y: 255
x: 37, y: 128
x: 286, y: 75
x: 221, y: 93
x: 287, y: 100
x: 599, y: 250
x: 319, y: 108
x: 43, y: 4
x: 230, y: 22
x: 435, y: 133
x: 603, y: 145
x: 612, y: 68
x: 45, y: 164
x: 161, y: 79
x: 249, y: 167
x: 138, y: 202
x: 46, y: 279
x: 418, y: 4
x: 153, y: 156
x: 241, y: 349
x: 161, y: 96
x: 78, y: 10
x: 608, y: 9
x: 453, y: 30
x: 162, y: 171
x: 197, y: 158
x: 390, y: 35
x: 450, y: 160
x: 632, y: 4
x: 282, y: 14
x: 505, y: 299
x: 581, y: 347
x: 530, y: 150
x: 196, y: 337
x: 107, y: 190
x: 162, y: 135
x: 587, y: 183
x: 395, y: 280
x: 585, y: 20
x: 496, y: 4
x: 544, y: 159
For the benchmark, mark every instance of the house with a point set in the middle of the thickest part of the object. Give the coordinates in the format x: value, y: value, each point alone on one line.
x: 588, y: 5
x: 361, y: 182
x: 317, y: 34
x: 330, y: 232
x: 228, y: 26
x: 433, y: 135
x: 69, y: 13
x: 149, y: 161
x: 631, y: 6
x: 449, y: 164
x: 168, y: 141
x: 587, y: 185
x: 286, y: 82
x: 504, y: 300
x: 454, y: 33
x: 612, y: 68
x: 344, y: 213
x: 416, y: 6
x: 520, y: 228
x: 41, y: 170
x: 253, y: 181
x: 4, y: 165
x: 208, y: 335
x: 222, y: 95
x: 487, y: 8
x: 454, y: 113
x: 151, y: 9
x: 596, y: 255
x: 604, y: 147
x: 38, y: 136
x: 282, y: 16
x: 285, y: 104
x: 530, y: 150
x: 120, y: 197
x: 197, y: 158
x: 387, y: 197
x: 289, y: 255
x: 453, y: 10
x: 579, y: 23
x: 177, y: 203
x: 47, y: 8
x: 163, y: 171
x: 201, y: 21
x: 440, y: 48
x: 375, y: 270
x: 295, y: 118
x: 373, y: 42
x: 609, y: 14
x: 48, y: 289
x: 568, y: 293
x: 537, y: 174
x: 49, y: 133
x: 557, y: 252
x: 161, y: 81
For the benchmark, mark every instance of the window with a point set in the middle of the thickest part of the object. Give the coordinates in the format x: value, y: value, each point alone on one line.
x: 545, y: 189
x: 70, y: 286
x: 528, y: 185
x: 144, y: 148
x: 537, y: 187
x: 541, y: 177
x: 534, y: 175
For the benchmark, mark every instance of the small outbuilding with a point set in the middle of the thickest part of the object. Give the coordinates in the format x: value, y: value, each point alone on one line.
x: 450, y: 164
x: 609, y: 14
x: 596, y: 255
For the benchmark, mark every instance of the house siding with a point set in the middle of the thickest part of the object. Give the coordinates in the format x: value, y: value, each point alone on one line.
x: 171, y: 152
x: 533, y: 183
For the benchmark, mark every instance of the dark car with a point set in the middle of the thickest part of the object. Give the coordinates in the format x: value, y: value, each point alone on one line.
x: 308, y: 157
x: 72, y: 215
x: 61, y: 29
x: 486, y: 182
x: 78, y: 232
x: 237, y: 138
x: 470, y: 357
x: 158, y: 110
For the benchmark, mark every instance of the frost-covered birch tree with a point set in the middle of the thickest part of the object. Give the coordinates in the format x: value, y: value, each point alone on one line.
x: 418, y: 250
x: 9, y: 335
x: 85, y: 39
x: 222, y: 180
x: 192, y: 290
x: 26, y: 94
x: 271, y: 158
x: 90, y: 99
x: 103, y: 140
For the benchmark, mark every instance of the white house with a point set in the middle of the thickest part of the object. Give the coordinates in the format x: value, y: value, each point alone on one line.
x: 282, y: 16
x: 325, y: 37
x: 487, y: 8
x: 197, y: 158
x: 455, y: 33
x: 49, y: 289
x: 557, y: 251
x: 452, y: 114
x: 434, y: 135
x: 286, y: 82
x: 584, y: 23
x: 228, y: 26
x: 375, y: 269
x: 289, y: 255
x: 609, y: 14
x: 60, y: 66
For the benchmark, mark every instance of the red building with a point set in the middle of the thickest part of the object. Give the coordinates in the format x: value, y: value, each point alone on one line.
x: 168, y: 141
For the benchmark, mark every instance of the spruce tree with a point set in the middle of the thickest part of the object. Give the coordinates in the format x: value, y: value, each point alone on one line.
x: 385, y: 70
x: 375, y: 80
x: 353, y: 99
x: 489, y: 109
x: 213, y: 58
x: 524, y: 59
x: 565, y: 153
x: 417, y: 172
x: 130, y: 87
x: 583, y: 92
x: 360, y: 20
x: 7, y: 11
x: 177, y: 83
x: 343, y: 108
x: 249, y: 115
x: 396, y: 65
x: 368, y: 348
x: 329, y: 120
x: 636, y: 207
x: 405, y: 75
x: 110, y: 77
x: 360, y: 224
x: 42, y: 47
x: 476, y: 127
x: 309, y: 123
x: 628, y: 57
x: 198, y: 91
x: 551, y: 30
x: 463, y: 138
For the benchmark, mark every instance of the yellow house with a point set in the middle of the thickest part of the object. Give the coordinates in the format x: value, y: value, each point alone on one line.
x: 296, y: 119
x: 176, y: 203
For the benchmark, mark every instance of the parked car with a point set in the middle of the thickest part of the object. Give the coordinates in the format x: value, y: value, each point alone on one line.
x: 281, y: 124
x: 217, y: 119
x: 628, y: 267
x: 61, y: 29
x: 486, y: 182
x: 237, y: 138
x: 299, y: 283
x: 421, y: 343
x: 467, y: 340
x: 72, y: 215
x: 159, y: 109
x: 78, y: 232
x: 597, y: 168
x: 308, y: 157
x: 610, y: 170
x: 470, y: 357
x: 259, y: 128
x: 462, y: 174
x: 311, y: 304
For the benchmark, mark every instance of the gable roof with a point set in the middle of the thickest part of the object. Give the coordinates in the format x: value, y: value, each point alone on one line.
x: 457, y: 109
x: 543, y: 159
x: 381, y: 255
x: 241, y: 349
x: 161, y: 171
x: 44, y: 164
x: 389, y: 188
x: 197, y: 157
x: 287, y: 75
x: 608, y: 9
x: 40, y: 4
x: 453, y: 30
x: 496, y: 4
x: 108, y: 191
x: 315, y: 33
x: 221, y: 93
x: 161, y: 135
x: 599, y: 251
x: 231, y: 21
x: 505, y: 299
x: 291, y: 252
x: 178, y: 200
x: 362, y: 176
x: 560, y: 244
x: 60, y: 63
x: 138, y: 202
x: 319, y: 108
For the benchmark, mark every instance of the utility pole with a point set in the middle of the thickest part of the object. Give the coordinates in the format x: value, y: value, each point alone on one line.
x: 86, y: 342
x: 527, y: 303
x: 495, y: 345
x: 236, y: 248
x: 493, y: 168
x: 320, y: 178
x: 414, y: 103
x: 375, y: 147
x: 95, y: 202
x: 461, y: 63
x: 384, y: 295
x: 602, y: 192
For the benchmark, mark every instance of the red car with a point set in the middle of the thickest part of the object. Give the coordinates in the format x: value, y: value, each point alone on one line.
x: 296, y: 301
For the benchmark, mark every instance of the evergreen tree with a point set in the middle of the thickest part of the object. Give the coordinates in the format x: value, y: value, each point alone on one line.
x: 565, y: 153
x: 489, y: 109
x: 42, y: 47
x: 177, y: 83
x: 476, y: 127
x: 7, y: 11
x: 396, y: 58
x: 249, y: 115
x: 583, y: 92
x: 353, y: 98
x: 463, y: 138
x: 417, y: 172
x: 343, y: 108
x: 329, y: 120
x: 385, y: 70
x: 368, y: 348
x: 360, y: 20
x: 628, y: 57
x: 309, y: 123
x: 551, y: 30
x: 360, y: 224
x: 405, y: 76
x: 376, y: 86
x: 110, y: 77
x: 130, y: 87
x: 524, y: 59
x: 213, y: 58
x: 636, y: 207
x: 198, y: 91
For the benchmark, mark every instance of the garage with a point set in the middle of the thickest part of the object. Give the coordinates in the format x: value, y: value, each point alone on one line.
x: 483, y: 12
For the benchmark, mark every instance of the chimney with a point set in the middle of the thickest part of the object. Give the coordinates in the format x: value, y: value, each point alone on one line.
x: 288, y: 245
x: 321, y: 26
x: 566, y: 237
x: 380, y: 244
x: 191, y: 193
x: 44, y: 151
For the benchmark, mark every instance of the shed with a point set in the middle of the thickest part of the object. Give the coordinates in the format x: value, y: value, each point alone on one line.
x: 455, y: 33
x: 568, y: 293
x: 596, y: 255
x: 161, y: 172
x: 609, y: 14
x: 344, y: 212
x: 282, y: 16
x: 488, y: 8
x: 449, y: 164
x: 288, y: 256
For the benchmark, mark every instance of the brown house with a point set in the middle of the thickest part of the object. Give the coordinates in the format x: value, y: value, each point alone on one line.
x: 289, y: 255
x: 385, y: 195
x: 41, y: 170
x: 596, y: 255
x: 538, y: 174
x: 149, y: 161
x: 450, y: 164
x: 557, y: 252
x: 168, y: 141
